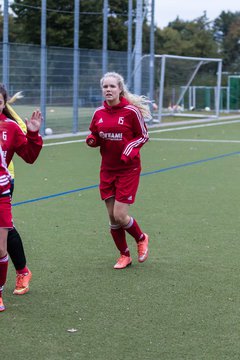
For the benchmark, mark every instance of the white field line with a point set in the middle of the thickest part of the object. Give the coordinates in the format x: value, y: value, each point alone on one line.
x: 187, y: 122
x: 194, y: 126
x: 157, y: 131
x: 65, y: 142
x: 196, y: 140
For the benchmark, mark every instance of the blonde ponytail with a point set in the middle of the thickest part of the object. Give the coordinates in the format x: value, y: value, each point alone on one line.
x: 11, y: 113
x: 15, y: 97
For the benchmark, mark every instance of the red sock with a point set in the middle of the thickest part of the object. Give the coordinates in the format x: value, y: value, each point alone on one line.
x: 3, y: 270
x: 119, y: 237
x: 134, y: 230
x: 25, y: 270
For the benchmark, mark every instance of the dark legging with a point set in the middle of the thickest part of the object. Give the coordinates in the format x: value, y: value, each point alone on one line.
x: 15, y: 246
x: 15, y: 249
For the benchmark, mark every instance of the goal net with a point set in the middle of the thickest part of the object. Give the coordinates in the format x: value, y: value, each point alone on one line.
x: 189, y: 87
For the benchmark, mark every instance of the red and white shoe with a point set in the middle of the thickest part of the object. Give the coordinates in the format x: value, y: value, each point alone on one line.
x: 2, y: 307
x: 143, y: 249
x: 22, y: 283
x: 123, y: 262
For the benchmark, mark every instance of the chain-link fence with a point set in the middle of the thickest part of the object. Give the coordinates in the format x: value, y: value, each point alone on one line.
x: 25, y: 76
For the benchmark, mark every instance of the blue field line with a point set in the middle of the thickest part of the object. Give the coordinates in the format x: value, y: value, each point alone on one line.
x: 55, y: 195
x: 191, y: 163
x: 196, y: 162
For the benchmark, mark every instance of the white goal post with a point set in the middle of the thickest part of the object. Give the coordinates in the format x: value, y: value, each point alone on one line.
x: 184, y: 86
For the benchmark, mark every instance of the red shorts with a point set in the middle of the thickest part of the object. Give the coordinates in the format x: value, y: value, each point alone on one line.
x: 6, y: 212
x: 122, y: 185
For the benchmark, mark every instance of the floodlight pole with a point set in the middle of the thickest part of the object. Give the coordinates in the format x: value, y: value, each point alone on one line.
x: 129, y: 64
x: 76, y: 65
x: 105, y: 37
x: 151, y: 63
x: 43, y: 63
x: 5, y: 63
x: 138, y: 49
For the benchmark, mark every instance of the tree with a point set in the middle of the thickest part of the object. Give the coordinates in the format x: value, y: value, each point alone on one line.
x: 195, y: 38
x: 227, y: 33
x: 223, y: 22
x: 168, y: 41
x: 232, y: 46
x: 60, y: 23
x: 13, y: 30
x: 59, y: 20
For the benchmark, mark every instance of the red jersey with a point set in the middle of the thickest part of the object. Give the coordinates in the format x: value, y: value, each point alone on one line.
x: 13, y: 139
x: 120, y: 131
x: 4, y: 175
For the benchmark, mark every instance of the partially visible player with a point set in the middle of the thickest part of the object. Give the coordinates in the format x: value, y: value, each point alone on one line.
x: 27, y: 146
x: 14, y: 242
x: 119, y: 129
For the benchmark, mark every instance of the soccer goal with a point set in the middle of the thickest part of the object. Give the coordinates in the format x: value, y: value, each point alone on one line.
x: 185, y: 86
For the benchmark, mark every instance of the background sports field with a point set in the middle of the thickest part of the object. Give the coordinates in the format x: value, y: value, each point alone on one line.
x: 183, y: 303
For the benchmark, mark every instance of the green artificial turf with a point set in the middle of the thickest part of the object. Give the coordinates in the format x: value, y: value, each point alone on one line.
x: 182, y: 303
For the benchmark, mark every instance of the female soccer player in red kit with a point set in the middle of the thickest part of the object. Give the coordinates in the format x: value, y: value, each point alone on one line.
x: 119, y: 129
x: 27, y: 146
x: 15, y: 246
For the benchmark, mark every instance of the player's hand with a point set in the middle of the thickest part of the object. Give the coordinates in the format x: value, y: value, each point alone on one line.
x: 35, y: 121
x: 126, y: 159
x: 91, y: 140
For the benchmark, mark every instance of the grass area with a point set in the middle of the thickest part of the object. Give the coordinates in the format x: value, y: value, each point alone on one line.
x: 181, y: 304
x: 60, y: 118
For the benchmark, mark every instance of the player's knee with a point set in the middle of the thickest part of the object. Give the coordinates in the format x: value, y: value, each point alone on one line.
x: 120, y: 217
